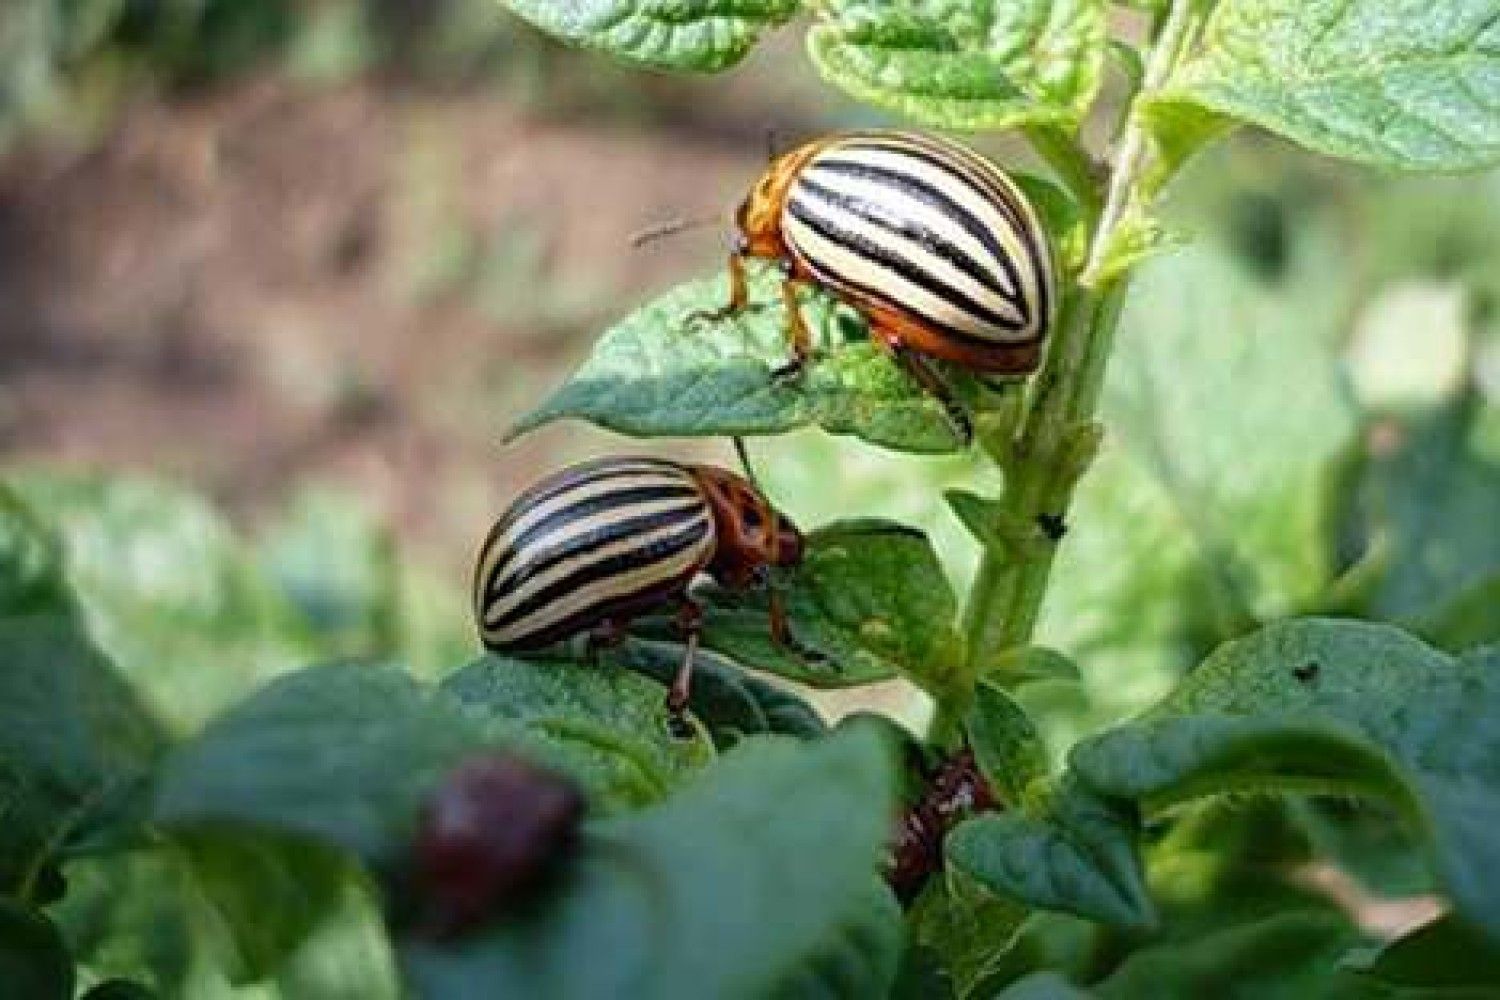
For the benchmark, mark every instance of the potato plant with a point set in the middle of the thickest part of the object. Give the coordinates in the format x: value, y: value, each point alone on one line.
x: 283, y: 844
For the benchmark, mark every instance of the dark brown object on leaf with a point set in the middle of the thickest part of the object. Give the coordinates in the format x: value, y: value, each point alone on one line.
x: 952, y: 791
x: 490, y: 838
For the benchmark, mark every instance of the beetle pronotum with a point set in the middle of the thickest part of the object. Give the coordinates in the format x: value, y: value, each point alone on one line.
x: 590, y: 547
x: 935, y: 246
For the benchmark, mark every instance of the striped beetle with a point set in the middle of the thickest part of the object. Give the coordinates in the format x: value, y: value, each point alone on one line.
x: 936, y: 247
x: 592, y: 546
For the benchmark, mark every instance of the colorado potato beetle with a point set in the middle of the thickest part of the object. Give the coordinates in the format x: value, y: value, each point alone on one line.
x: 935, y: 246
x: 592, y: 546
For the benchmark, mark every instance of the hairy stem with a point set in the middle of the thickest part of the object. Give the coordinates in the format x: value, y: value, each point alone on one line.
x: 1058, y: 437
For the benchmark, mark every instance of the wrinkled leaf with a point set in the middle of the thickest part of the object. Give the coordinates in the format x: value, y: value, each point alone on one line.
x: 700, y: 35
x: 659, y: 373
x: 1006, y: 743
x: 1340, y: 706
x: 34, y: 961
x: 752, y: 875
x: 605, y: 726
x: 1395, y: 83
x: 988, y: 66
x: 1076, y: 854
x: 966, y: 925
x: 870, y: 595
x: 75, y: 743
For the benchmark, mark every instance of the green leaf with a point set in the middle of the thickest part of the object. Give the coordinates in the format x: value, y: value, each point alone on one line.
x: 167, y: 588
x: 1014, y: 667
x: 730, y: 702
x: 1442, y: 955
x: 1288, y: 955
x: 1006, y: 743
x: 1341, y: 706
x: 75, y: 744
x: 119, y: 989
x: 605, y: 726
x: 1467, y: 619
x: 31, y: 561
x: 749, y: 877
x: 344, y: 754
x: 268, y: 892
x: 987, y: 66
x: 1395, y: 83
x: 966, y: 925
x: 859, y: 959
x: 1426, y: 490
x: 695, y: 35
x: 1075, y: 853
x: 659, y: 373
x: 870, y: 595
x: 1044, y: 986
x: 34, y: 961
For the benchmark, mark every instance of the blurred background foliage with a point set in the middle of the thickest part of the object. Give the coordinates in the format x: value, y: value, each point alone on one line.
x: 275, y: 275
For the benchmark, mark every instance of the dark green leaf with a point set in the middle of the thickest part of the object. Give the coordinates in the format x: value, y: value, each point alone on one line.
x: 1335, y: 706
x: 1396, y: 83
x: 699, y: 35
x: 729, y: 701
x: 1044, y: 986
x: 342, y: 754
x: 1076, y: 853
x: 870, y: 595
x: 1427, y: 493
x: 34, y: 961
x: 1442, y: 955
x: 1006, y: 744
x: 1285, y: 957
x: 989, y: 66
x: 74, y: 745
x: 743, y: 880
x: 859, y: 959
x: 605, y: 726
x: 31, y: 562
x: 119, y: 989
x: 268, y: 892
x: 659, y: 373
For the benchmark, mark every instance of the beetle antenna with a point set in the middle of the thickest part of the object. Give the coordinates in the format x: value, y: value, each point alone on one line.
x: 672, y: 227
x: 744, y: 455
x: 772, y: 146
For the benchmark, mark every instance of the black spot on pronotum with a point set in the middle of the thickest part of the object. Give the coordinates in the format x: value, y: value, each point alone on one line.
x: 1052, y: 525
x: 1307, y: 673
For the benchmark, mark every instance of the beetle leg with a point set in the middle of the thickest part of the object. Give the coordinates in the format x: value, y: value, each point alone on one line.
x: 690, y: 623
x: 781, y: 626
x: 739, y: 291
x: 608, y: 634
x: 925, y: 377
x: 798, y: 334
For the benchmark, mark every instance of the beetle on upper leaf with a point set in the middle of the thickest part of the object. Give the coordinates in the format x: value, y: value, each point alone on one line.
x: 935, y: 246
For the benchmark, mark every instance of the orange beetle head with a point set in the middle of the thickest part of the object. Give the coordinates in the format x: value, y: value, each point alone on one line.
x: 750, y: 533
x: 759, y: 215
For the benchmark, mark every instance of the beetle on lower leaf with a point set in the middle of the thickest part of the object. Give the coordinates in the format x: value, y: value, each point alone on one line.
x: 936, y: 247
x: 592, y: 546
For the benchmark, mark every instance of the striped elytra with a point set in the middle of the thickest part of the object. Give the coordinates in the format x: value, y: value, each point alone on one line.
x: 929, y: 229
x: 588, y: 548
x: 593, y: 543
x: 935, y: 246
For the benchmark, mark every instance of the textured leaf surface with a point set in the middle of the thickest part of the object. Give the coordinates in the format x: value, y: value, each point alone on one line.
x: 1075, y: 854
x: 991, y: 65
x: 703, y: 35
x: 1338, y: 706
x: 1397, y: 83
x: 870, y: 595
x: 660, y: 373
x: 1006, y: 743
x: 751, y: 879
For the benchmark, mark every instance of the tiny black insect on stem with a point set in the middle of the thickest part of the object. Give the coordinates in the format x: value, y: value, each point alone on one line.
x: 1052, y: 526
x: 1306, y: 673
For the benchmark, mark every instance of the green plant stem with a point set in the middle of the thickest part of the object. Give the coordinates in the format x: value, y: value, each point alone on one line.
x: 1074, y: 166
x: 1058, y: 437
